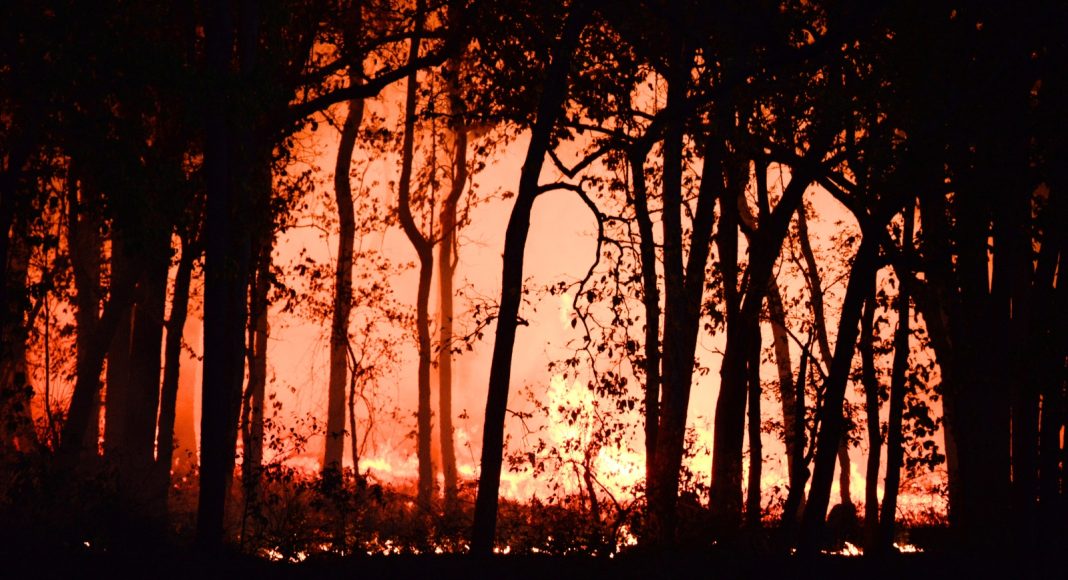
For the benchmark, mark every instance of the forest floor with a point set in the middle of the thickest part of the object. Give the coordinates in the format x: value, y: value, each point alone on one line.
x: 189, y: 565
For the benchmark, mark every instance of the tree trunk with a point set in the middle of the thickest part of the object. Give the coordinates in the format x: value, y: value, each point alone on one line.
x: 756, y: 456
x: 137, y: 459
x: 793, y: 432
x: 765, y: 247
x: 339, y: 327
x: 829, y: 439
x: 446, y: 273
x: 17, y: 434
x: 815, y: 286
x: 550, y: 107
x: 424, y: 248
x: 677, y: 365
x: 185, y: 437
x: 172, y: 366
x: 871, y: 407
x: 226, y: 264
x: 895, y: 451
x: 651, y: 305
x: 117, y: 374
x: 86, y: 256
x: 819, y: 322
x: 795, y: 500
x: 84, y: 402
x: 682, y: 318
x: 254, y: 397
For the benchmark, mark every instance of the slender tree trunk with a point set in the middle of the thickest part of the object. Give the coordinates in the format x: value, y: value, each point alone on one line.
x: 831, y: 419
x: 424, y: 248
x: 895, y: 450
x: 795, y: 499
x: 446, y: 273
x: 73, y: 444
x: 185, y: 437
x: 172, y: 365
x: 682, y: 325
x: 550, y: 107
x: 339, y: 328
x: 815, y: 286
x: 765, y: 247
x: 871, y: 406
x: 254, y: 397
x: 354, y: 448
x: 677, y: 366
x: 792, y: 431
x: 756, y: 456
x: 651, y: 305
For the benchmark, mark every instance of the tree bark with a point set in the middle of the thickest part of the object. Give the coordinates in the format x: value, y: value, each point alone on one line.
x: 339, y: 327
x: 137, y: 460
x: 424, y: 249
x: 793, y: 432
x: 871, y: 407
x: 829, y: 439
x: 226, y: 266
x: 651, y: 305
x: 173, y: 365
x: 729, y: 427
x: 86, y: 255
x: 550, y: 107
x: 756, y: 457
x: 446, y: 273
x: 80, y: 412
x: 254, y: 397
x: 895, y: 451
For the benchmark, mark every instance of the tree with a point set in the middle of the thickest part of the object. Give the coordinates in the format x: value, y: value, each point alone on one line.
x: 550, y: 107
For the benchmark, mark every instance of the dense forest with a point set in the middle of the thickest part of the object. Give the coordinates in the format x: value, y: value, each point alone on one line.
x: 820, y: 245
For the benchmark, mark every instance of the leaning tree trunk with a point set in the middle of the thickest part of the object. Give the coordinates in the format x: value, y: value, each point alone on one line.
x: 172, y: 365
x: 550, y: 107
x: 829, y: 439
x: 815, y: 286
x: 793, y: 432
x: 85, y: 398
x: 339, y: 327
